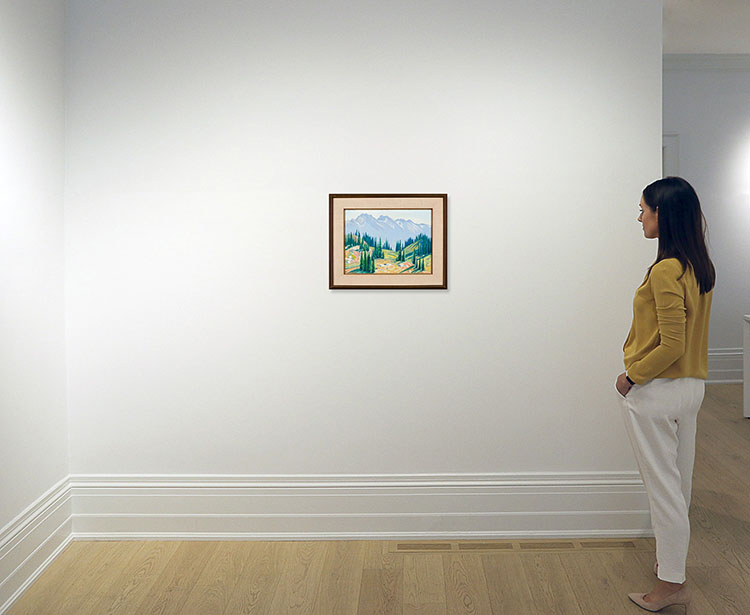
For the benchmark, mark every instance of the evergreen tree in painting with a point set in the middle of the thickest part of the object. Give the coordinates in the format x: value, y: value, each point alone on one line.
x: 366, y: 262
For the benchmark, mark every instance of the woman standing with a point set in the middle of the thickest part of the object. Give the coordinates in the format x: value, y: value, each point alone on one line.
x: 666, y: 362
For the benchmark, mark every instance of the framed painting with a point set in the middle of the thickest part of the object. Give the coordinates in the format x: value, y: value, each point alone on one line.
x: 388, y: 241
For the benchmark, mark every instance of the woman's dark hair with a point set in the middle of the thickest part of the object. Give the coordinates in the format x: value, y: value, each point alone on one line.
x: 682, y: 228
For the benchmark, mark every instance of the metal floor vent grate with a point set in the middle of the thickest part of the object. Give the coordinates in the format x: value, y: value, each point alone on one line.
x: 522, y: 546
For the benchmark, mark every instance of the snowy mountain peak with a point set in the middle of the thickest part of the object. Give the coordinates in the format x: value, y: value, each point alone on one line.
x: 387, y: 229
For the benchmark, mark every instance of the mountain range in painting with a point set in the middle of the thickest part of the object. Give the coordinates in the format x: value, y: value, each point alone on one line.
x: 386, y: 228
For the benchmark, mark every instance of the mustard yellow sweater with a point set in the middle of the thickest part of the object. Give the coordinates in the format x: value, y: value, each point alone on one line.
x: 669, y: 334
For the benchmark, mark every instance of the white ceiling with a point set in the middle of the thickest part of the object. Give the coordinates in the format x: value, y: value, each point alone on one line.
x: 707, y: 26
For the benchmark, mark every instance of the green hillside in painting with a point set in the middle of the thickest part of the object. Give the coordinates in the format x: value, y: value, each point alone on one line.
x: 364, y: 254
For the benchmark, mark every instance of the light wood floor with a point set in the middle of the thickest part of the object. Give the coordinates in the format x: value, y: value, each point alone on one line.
x: 382, y: 577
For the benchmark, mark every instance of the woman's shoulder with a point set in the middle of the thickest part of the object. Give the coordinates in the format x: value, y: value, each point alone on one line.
x: 668, y: 266
x: 667, y: 272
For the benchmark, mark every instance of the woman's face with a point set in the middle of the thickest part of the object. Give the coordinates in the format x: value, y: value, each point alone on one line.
x: 649, y: 218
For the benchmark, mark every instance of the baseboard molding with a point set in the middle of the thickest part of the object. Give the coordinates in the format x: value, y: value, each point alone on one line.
x: 725, y: 365
x: 706, y: 61
x: 30, y: 542
x: 333, y: 507
x: 317, y: 507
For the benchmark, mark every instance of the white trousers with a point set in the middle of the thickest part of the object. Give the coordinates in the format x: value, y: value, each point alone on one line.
x: 660, y: 418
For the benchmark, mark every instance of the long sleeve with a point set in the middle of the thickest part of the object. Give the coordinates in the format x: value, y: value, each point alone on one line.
x: 669, y: 296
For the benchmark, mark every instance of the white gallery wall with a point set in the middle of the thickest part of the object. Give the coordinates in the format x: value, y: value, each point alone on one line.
x: 35, y: 509
x: 706, y: 102
x: 203, y: 140
x: 33, y: 421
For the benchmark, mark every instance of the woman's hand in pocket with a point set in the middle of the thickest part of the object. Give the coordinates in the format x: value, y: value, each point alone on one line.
x: 622, y: 385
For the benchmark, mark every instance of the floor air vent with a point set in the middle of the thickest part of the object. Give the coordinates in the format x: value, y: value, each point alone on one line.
x: 522, y: 546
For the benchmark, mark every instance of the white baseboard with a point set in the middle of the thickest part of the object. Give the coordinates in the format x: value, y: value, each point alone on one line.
x: 359, y: 507
x: 706, y: 61
x: 725, y: 365
x: 30, y: 542
x: 317, y: 507
x: 327, y: 507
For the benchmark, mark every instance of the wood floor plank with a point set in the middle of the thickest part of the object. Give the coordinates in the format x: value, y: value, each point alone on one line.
x: 724, y: 562
x: 341, y: 578
x: 424, y: 584
x: 551, y: 590
x: 717, y: 590
x: 726, y: 534
x: 259, y: 579
x: 711, y: 466
x: 129, y: 586
x: 705, y: 541
x: 375, y: 551
x: 726, y: 399
x: 381, y: 590
x: 302, y: 569
x: 626, y: 572
x: 465, y: 584
x: 724, y: 439
x: 591, y: 585
x: 214, y: 587
x: 508, y: 587
x: 89, y: 579
x: 171, y: 589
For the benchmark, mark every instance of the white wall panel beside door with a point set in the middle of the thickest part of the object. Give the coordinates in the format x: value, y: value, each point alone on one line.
x: 670, y: 155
